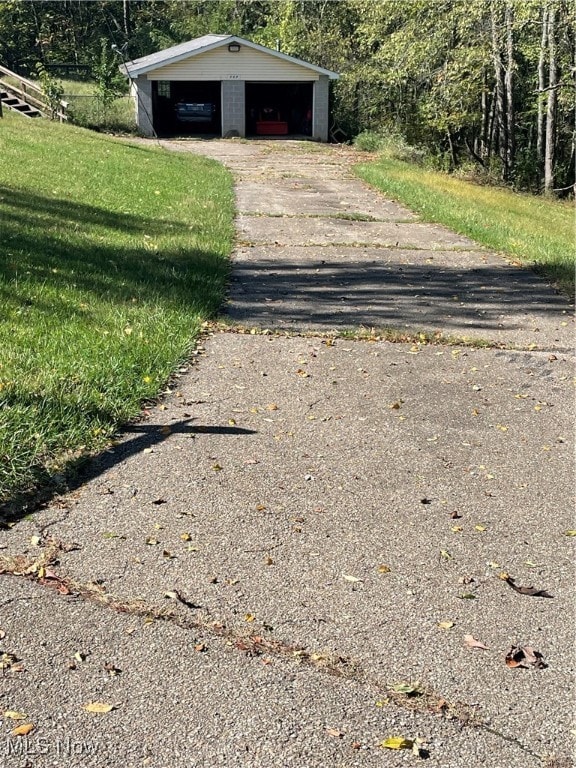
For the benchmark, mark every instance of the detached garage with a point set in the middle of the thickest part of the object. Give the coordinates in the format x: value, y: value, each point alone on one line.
x: 224, y: 85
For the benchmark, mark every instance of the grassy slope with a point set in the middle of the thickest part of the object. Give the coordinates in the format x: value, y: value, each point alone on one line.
x: 111, y: 256
x: 533, y: 230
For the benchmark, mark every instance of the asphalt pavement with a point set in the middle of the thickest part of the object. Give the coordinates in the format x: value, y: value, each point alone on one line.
x: 331, y: 537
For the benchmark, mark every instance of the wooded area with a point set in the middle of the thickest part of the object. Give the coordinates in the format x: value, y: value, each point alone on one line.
x: 481, y: 84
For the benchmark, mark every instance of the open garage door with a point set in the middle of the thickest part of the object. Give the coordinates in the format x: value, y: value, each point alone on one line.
x: 187, y: 108
x: 279, y: 109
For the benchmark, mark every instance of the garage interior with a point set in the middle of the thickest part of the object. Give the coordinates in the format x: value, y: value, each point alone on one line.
x: 279, y: 109
x: 182, y: 108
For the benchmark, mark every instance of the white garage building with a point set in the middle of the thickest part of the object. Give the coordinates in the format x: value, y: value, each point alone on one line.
x: 223, y: 85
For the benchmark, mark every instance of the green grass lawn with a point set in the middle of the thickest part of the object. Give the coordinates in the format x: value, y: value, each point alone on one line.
x: 535, y: 231
x: 111, y: 257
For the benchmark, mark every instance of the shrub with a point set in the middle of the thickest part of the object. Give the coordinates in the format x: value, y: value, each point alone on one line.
x: 368, y: 141
x: 52, y: 89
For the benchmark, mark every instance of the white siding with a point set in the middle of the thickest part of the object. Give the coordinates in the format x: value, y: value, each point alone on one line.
x: 247, y: 64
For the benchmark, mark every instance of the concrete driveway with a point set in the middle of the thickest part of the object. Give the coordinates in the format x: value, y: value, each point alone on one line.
x: 319, y: 540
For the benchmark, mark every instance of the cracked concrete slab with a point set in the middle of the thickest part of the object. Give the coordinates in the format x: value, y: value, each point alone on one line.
x: 339, y: 232
x: 170, y: 711
x: 317, y: 196
x: 340, y: 461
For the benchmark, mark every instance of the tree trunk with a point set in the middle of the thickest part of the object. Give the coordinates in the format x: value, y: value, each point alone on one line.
x: 126, y: 18
x: 453, y: 158
x: 500, y: 109
x: 509, y: 85
x: 551, y: 108
x: 491, y: 124
x: 485, y: 121
x: 540, y: 120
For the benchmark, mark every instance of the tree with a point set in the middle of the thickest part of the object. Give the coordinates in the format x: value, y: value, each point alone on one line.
x: 552, y: 102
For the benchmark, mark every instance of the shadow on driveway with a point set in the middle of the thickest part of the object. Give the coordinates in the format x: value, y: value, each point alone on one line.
x: 333, y: 292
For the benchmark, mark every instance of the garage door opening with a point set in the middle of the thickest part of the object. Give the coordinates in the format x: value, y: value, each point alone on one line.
x: 279, y: 109
x: 186, y: 108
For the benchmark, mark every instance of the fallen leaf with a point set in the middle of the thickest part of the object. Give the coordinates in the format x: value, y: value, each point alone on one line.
x: 216, y: 467
x: 112, y: 669
x: 268, y: 561
x: 260, y: 507
x: 353, y: 579
x: 532, y: 591
x: 159, y: 501
x: 98, y: 707
x: 80, y: 656
x: 201, y: 647
x: 471, y: 642
x: 10, y: 713
x: 335, y: 732
x: 185, y: 537
x: 249, y: 617
x: 524, y: 657
x: 467, y: 596
x: 272, y: 407
x: 22, y: 730
x: 480, y: 528
x: 397, y: 742
x: 570, y: 533
x: 445, y: 624
x: 384, y: 569
x: 151, y: 541
x: 35, y: 541
x: 7, y: 661
x: 168, y: 555
x: 112, y: 535
x: 409, y: 689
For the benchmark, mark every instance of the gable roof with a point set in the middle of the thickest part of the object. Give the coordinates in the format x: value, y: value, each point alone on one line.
x: 202, y: 45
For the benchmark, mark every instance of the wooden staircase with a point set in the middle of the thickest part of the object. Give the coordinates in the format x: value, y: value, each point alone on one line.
x: 26, y: 97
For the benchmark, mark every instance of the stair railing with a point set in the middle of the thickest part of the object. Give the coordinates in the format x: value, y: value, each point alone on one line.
x: 29, y: 92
